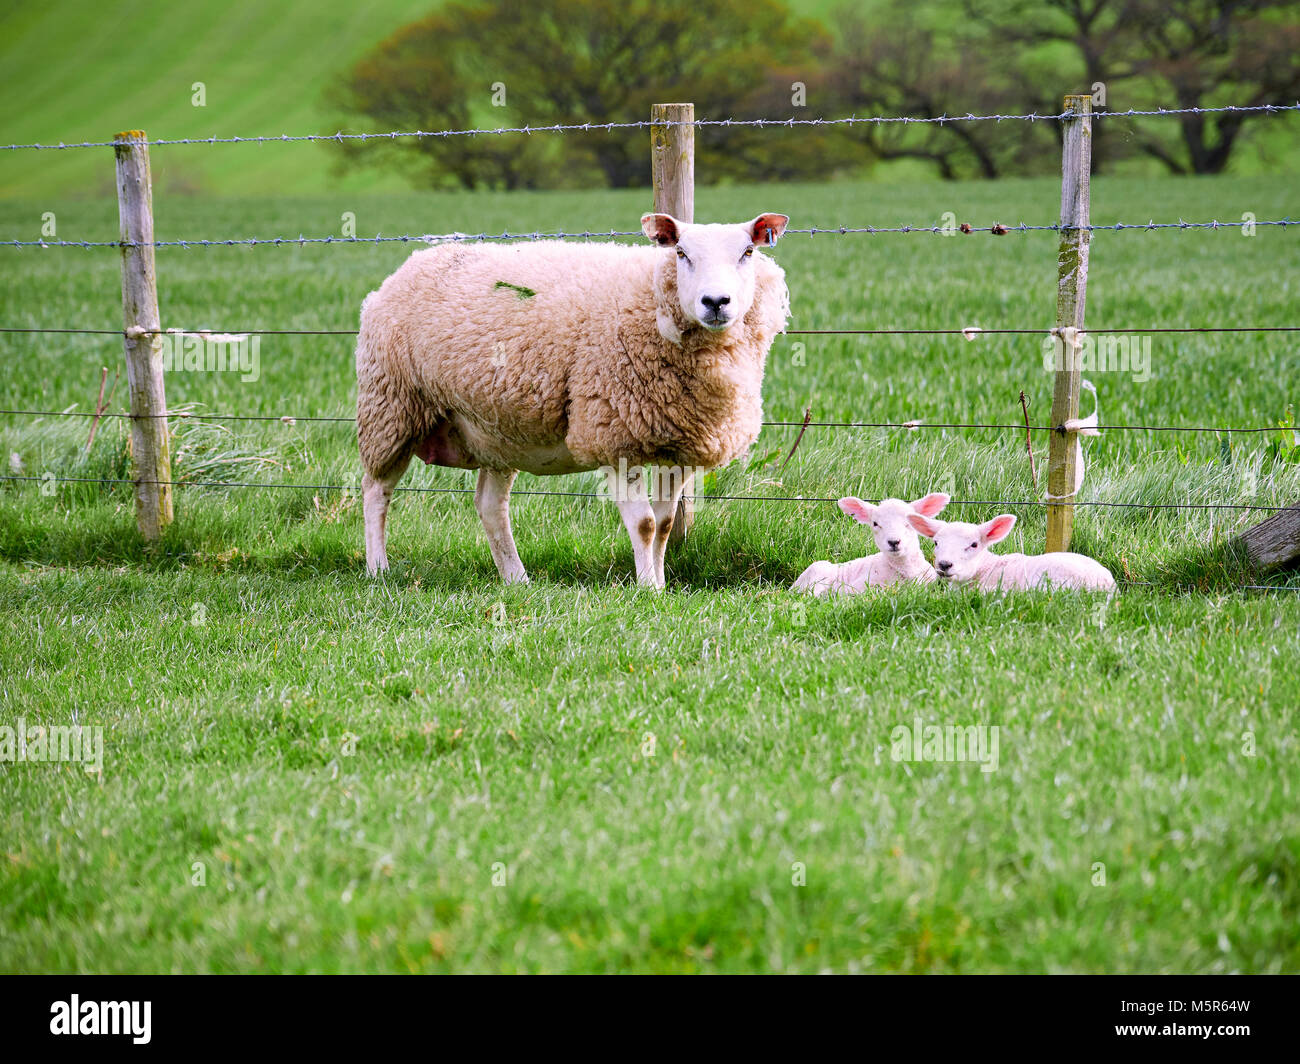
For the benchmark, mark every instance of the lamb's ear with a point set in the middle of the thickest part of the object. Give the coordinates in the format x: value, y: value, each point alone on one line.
x: 767, y: 228
x: 663, y: 229
x: 998, y: 529
x: 924, y: 525
x: 931, y: 504
x: 862, y: 512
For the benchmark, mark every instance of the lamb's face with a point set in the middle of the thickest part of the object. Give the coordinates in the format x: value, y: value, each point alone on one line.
x: 715, y: 263
x: 889, y: 524
x: 959, y: 547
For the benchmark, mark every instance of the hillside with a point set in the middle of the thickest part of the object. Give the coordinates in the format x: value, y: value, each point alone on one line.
x: 82, y: 70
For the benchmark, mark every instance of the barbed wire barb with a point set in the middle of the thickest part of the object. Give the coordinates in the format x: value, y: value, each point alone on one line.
x: 726, y: 123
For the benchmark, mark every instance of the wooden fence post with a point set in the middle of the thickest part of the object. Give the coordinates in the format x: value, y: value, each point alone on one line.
x: 151, y: 466
x: 1276, y: 542
x: 672, y: 168
x: 1071, y: 294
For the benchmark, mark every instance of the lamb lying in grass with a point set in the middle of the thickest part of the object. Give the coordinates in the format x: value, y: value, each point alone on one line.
x: 900, y: 556
x: 961, y: 554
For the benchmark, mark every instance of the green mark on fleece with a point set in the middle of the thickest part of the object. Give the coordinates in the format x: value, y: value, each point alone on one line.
x: 523, y: 293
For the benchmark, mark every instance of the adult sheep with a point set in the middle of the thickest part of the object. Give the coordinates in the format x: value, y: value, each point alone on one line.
x: 560, y: 358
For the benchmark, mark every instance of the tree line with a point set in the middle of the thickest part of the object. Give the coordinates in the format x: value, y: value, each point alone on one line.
x: 517, y: 63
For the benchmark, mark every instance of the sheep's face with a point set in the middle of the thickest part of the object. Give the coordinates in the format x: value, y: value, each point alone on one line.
x: 959, y: 547
x: 894, y: 535
x: 715, y: 263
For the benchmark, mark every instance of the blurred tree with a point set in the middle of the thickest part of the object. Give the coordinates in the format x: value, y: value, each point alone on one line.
x: 576, y: 61
x: 1160, y: 53
x: 414, y: 81
x: 514, y: 63
x: 1211, y: 53
x: 911, y: 62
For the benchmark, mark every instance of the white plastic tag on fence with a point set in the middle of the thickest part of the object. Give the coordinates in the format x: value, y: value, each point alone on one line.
x: 1082, y: 426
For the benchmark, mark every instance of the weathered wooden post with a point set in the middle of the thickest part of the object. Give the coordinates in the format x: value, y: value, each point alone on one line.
x: 672, y: 168
x: 151, y: 466
x: 1274, y: 543
x: 1071, y: 294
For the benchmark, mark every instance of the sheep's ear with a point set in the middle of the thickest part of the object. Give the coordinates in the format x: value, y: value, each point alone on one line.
x: 998, y: 529
x: 862, y: 512
x: 924, y: 525
x: 931, y: 504
x: 767, y: 228
x: 663, y: 229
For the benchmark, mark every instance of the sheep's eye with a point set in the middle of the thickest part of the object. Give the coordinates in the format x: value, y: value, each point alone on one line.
x: 875, y: 524
x: 681, y: 254
x: 748, y: 252
x: 973, y: 546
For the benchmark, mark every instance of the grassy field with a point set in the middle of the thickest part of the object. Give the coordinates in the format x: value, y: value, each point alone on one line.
x: 70, y: 77
x: 434, y: 772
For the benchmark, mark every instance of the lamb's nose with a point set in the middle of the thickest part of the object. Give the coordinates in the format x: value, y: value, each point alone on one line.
x: 943, y: 566
x: 714, y: 302
x: 893, y: 544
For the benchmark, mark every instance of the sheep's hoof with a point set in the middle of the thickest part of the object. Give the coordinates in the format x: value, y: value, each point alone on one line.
x: 387, y: 572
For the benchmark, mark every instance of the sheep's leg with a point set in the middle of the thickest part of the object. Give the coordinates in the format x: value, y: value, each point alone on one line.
x: 670, y: 490
x: 629, y: 491
x: 492, y: 501
x: 818, y: 578
x: 376, y: 494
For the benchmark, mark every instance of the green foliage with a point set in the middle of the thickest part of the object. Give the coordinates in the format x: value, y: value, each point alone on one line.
x: 517, y: 63
x: 571, y: 61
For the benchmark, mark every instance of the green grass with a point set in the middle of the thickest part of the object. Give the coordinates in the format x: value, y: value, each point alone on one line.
x: 353, y: 762
x: 78, y: 70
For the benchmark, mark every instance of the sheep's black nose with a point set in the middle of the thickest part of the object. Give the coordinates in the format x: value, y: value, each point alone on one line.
x: 893, y: 544
x: 944, y: 566
x: 714, y: 302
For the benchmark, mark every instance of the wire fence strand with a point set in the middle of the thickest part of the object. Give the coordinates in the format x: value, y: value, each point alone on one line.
x: 1022, y: 503
x: 699, y: 498
x: 725, y: 123
x: 969, y: 332
x: 436, y: 239
x: 910, y: 426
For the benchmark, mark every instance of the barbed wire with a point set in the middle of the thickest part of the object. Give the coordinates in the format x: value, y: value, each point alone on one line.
x: 292, y: 419
x: 1193, y: 587
x: 435, y: 239
x: 1259, y: 507
x: 432, y: 239
x: 725, y: 123
x: 969, y: 332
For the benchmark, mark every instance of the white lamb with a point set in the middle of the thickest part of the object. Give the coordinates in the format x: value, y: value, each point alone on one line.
x: 961, y: 555
x: 900, y: 556
x: 555, y: 358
